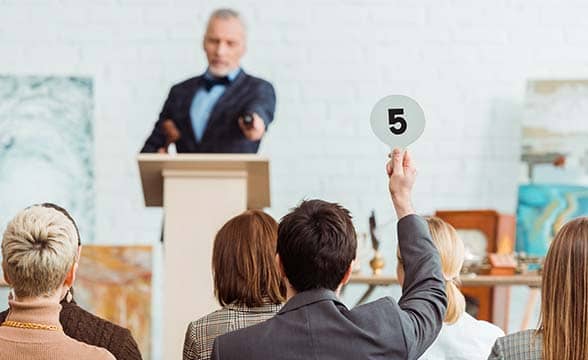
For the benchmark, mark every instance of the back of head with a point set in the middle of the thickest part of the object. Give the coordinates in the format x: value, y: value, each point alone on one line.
x: 451, y: 250
x: 316, y: 244
x: 39, y: 247
x: 243, y: 261
x: 564, y: 294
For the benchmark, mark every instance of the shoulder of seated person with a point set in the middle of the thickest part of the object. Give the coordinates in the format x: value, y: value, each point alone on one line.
x: 482, y: 324
x: 204, y: 320
x: 383, y: 302
x: 74, y: 311
x: 96, y: 352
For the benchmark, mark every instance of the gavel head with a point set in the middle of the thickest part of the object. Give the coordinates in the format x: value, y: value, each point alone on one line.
x: 172, y: 134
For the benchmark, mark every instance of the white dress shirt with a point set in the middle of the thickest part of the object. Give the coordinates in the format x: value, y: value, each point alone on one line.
x: 467, y: 339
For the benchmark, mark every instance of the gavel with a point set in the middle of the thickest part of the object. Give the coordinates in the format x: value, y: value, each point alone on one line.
x: 172, y: 134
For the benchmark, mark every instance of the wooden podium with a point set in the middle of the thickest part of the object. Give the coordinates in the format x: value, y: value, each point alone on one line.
x: 199, y: 193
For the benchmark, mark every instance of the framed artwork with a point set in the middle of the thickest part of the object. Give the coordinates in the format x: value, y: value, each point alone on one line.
x: 47, y: 146
x: 114, y: 282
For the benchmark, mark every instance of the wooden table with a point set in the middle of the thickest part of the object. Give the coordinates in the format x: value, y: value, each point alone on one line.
x: 533, y: 281
x: 373, y: 281
x: 466, y: 280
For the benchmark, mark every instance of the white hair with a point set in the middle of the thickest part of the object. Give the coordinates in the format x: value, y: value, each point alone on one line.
x: 225, y: 14
x: 39, y: 247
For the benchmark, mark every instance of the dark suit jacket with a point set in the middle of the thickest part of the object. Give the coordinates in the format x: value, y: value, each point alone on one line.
x: 83, y: 326
x: 222, y: 135
x: 315, y: 325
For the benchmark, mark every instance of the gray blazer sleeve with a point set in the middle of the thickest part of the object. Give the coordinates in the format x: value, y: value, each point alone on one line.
x: 423, y: 299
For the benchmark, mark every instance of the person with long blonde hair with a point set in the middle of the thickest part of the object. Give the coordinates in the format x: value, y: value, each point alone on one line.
x: 562, y: 333
x: 462, y: 336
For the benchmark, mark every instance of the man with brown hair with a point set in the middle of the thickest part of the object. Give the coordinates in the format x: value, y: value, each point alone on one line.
x: 316, y: 248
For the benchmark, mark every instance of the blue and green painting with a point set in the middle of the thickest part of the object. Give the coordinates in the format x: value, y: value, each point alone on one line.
x: 47, y: 146
x: 543, y: 209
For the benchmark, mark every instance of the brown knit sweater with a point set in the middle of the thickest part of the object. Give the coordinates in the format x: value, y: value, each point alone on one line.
x: 90, y: 329
x: 41, y: 344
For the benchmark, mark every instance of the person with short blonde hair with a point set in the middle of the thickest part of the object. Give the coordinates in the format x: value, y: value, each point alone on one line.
x: 247, y: 282
x: 39, y: 260
x: 462, y: 336
x: 562, y: 333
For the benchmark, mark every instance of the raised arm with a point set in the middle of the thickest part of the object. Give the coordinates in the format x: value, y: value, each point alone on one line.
x: 423, y: 300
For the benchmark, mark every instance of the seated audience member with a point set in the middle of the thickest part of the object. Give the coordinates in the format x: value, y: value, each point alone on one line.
x: 39, y: 259
x: 247, y: 282
x: 316, y: 247
x: 83, y: 326
x: 562, y: 332
x: 462, y: 337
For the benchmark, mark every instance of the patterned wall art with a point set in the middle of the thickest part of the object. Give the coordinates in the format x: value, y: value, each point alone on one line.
x: 47, y: 145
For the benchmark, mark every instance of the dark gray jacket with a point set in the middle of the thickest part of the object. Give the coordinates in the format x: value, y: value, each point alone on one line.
x: 315, y: 325
x: 246, y: 94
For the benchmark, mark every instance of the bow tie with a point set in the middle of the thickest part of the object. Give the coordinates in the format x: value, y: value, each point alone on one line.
x: 209, y: 83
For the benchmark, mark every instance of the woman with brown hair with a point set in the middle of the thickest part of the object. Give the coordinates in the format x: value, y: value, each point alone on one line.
x: 462, y: 337
x: 562, y: 332
x: 247, y: 282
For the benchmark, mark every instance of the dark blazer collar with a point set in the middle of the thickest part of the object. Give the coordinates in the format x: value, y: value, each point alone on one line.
x: 309, y: 297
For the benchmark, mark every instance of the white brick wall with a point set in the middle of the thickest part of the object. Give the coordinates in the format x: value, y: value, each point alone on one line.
x: 466, y: 63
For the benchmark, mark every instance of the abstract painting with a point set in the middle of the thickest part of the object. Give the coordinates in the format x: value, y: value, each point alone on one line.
x: 47, y: 145
x: 114, y: 282
x: 554, y: 161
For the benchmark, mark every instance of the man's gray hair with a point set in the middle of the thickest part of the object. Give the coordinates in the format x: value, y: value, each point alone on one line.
x: 39, y: 247
x: 225, y: 14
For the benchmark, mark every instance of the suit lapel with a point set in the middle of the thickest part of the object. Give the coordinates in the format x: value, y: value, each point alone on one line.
x: 220, y: 104
x: 186, y: 103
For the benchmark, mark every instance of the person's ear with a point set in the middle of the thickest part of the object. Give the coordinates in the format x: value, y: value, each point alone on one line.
x: 79, y: 252
x: 71, y: 275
